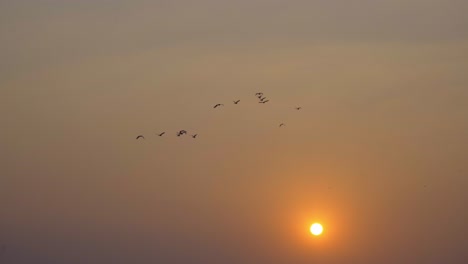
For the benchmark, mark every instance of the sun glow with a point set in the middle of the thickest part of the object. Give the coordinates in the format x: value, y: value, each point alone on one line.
x: 316, y: 229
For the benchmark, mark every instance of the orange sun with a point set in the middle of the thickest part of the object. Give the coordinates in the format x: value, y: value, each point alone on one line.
x: 316, y: 229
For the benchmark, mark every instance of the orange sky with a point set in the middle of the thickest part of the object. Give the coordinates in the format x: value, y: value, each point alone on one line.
x: 377, y: 154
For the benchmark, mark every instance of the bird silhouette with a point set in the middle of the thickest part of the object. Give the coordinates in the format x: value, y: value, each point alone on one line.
x: 264, y: 102
x: 282, y: 125
x: 195, y: 136
x: 161, y: 134
x: 218, y: 105
x: 259, y: 94
x: 140, y: 136
x: 298, y: 108
x: 181, y: 132
x: 262, y: 99
x: 236, y: 102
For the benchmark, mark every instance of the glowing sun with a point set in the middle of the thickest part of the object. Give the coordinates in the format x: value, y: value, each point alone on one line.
x: 316, y: 229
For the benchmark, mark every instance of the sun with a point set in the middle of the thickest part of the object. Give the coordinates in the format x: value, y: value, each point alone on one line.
x: 316, y: 229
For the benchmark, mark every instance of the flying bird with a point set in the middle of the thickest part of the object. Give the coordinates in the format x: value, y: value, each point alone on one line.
x: 140, y: 136
x: 195, y: 136
x: 264, y: 102
x: 262, y: 99
x: 161, y: 134
x: 218, y: 105
x: 236, y: 102
x: 182, y: 132
x: 259, y: 94
x: 282, y: 125
x: 298, y: 108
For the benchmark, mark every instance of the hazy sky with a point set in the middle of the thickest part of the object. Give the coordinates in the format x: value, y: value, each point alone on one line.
x: 378, y: 154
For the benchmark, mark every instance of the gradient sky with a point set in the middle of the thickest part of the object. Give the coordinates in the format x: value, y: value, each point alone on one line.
x: 378, y: 154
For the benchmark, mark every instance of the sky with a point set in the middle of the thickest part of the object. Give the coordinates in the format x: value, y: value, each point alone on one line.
x: 377, y: 154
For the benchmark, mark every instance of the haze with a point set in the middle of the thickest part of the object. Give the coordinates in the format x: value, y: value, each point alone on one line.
x: 377, y: 154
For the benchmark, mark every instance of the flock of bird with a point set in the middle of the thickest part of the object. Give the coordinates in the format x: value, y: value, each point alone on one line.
x: 180, y: 133
x: 261, y: 100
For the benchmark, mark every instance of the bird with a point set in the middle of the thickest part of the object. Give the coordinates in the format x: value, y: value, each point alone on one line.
x: 194, y: 136
x: 161, y: 134
x: 236, y: 102
x: 262, y: 99
x: 264, y: 102
x: 259, y: 94
x: 281, y: 125
x: 181, y: 132
x: 218, y: 105
x: 140, y: 136
x: 298, y: 108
